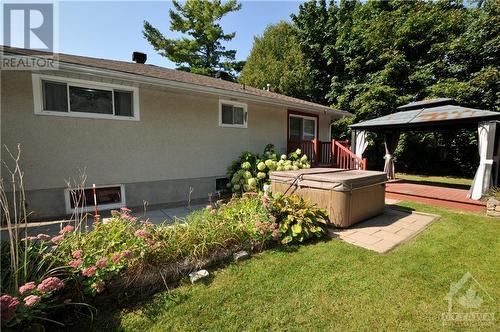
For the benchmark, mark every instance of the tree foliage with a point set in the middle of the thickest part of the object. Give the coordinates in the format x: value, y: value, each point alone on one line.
x: 202, y: 53
x: 370, y: 57
x: 276, y: 59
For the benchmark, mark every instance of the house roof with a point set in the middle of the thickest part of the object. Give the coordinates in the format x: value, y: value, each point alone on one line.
x: 165, y: 75
x: 429, y: 114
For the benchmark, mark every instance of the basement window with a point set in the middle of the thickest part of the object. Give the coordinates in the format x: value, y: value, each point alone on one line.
x: 107, y: 197
x: 79, y: 98
x: 232, y: 114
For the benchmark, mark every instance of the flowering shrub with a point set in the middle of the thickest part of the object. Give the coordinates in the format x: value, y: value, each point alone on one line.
x: 97, y: 256
x: 251, y: 171
x: 30, y: 293
x: 33, y: 301
x: 298, y: 219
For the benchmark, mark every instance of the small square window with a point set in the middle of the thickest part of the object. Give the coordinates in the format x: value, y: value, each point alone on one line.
x: 232, y: 114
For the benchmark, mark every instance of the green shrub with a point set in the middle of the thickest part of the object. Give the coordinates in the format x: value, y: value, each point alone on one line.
x: 298, y: 219
x: 240, y: 223
x: 250, y: 171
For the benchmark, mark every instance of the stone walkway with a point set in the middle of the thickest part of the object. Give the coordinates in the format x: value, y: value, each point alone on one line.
x: 384, y: 232
x: 156, y: 216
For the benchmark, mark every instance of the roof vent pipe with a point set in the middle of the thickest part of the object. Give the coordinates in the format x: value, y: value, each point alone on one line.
x: 268, y: 87
x: 139, y: 57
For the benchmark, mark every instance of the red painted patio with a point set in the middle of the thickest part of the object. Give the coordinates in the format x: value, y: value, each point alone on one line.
x: 433, y: 195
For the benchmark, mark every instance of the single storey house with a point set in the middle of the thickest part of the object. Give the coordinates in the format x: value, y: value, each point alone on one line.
x: 140, y: 132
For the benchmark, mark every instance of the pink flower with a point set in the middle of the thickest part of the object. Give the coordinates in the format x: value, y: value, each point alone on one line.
x: 67, y: 229
x: 115, y: 213
x: 31, y: 300
x: 27, y: 287
x: 276, y: 234
x: 124, y: 209
x: 58, y: 238
x: 102, y: 262
x: 98, y: 286
x: 77, y: 254
x: 75, y: 263
x: 89, y: 271
x: 8, y: 305
x: 43, y: 237
x: 116, y: 258
x: 147, y: 223
x: 127, y: 254
x: 141, y: 233
x: 50, y: 284
x: 30, y: 238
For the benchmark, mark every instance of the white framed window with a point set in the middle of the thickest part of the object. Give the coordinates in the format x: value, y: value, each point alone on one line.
x: 232, y: 114
x: 302, y: 128
x: 53, y: 95
x: 108, y: 197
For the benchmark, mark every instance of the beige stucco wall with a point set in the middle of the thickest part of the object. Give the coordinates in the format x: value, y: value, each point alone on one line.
x: 177, y: 137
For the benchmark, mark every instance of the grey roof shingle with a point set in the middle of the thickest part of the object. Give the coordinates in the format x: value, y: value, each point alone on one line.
x: 157, y: 72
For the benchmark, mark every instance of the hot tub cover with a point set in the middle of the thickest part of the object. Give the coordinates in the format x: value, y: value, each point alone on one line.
x: 330, y: 178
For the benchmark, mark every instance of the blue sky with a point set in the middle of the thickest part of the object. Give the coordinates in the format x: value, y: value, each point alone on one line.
x: 113, y: 30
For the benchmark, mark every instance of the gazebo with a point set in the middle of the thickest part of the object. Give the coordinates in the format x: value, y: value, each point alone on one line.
x: 431, y: 115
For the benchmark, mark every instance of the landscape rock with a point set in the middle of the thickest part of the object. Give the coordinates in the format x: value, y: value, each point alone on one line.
x: 198, y: 276
x: 241, y: 255
x: 493, y: 213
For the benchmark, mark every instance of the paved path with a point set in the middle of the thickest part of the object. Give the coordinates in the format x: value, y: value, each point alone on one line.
x: 434, y: 195
x: 157, y: 216
x: 384, y: 232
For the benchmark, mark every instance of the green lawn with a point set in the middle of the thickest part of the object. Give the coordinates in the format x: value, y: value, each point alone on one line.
x: 333, y: 285
x: 434, y: 179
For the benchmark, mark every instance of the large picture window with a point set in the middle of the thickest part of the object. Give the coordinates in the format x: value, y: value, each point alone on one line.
x: 232, y: 114
x: 70, y: 97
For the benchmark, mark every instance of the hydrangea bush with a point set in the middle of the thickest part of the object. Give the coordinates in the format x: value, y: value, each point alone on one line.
x: 96, y: 257
x: 251, y: 171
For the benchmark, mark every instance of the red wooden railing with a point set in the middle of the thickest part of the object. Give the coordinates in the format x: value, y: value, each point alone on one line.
x: 332, y: 153
x: 345, y: 158
x: 325, y: 153
x: 309, y: 148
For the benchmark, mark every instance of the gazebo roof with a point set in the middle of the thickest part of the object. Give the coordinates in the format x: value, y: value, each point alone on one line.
x: 429, y: 114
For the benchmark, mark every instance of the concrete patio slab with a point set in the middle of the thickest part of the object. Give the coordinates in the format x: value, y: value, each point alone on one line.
x: 155, y: 216
x: 386, y: 231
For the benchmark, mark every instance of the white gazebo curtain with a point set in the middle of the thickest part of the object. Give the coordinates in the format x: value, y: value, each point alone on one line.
x: 486, y: 144
x: 391, y: 143
x: 361, y: 142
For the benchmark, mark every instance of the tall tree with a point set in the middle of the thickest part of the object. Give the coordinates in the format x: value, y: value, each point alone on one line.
x: 276, y: 59
x: 317, y: 32
x: 202, y: 53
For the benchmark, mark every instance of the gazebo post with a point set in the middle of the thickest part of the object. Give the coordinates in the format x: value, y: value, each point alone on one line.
x: 391, y: 143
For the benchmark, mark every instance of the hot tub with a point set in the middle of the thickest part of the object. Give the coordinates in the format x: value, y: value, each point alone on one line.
x: 349, y: 196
